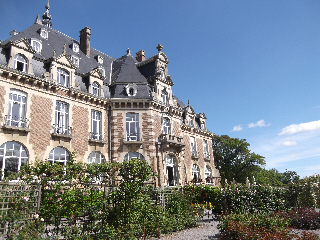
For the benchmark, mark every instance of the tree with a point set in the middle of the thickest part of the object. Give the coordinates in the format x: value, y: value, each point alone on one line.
x: 233, y: 158
x: 270, y: 177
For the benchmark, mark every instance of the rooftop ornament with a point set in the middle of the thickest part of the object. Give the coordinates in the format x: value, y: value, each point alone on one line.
x: 46, y: 16
x: 159, y: 47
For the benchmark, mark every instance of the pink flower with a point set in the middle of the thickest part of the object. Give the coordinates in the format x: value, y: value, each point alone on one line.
x: 59, y: 199
x: 26, y: 198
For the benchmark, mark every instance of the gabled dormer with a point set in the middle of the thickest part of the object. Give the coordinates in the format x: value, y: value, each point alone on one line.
x: 96, y: 82
x: 200, y: 119
x: 189, y: 115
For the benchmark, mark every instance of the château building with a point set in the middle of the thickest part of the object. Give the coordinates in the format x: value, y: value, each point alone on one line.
x: 59, y: 95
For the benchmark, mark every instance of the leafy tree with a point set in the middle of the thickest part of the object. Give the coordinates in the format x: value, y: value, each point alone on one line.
x: 289, y: 176
x: 270, y: 177
x: 233, y: 158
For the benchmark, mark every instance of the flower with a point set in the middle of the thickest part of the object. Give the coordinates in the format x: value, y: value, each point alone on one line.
x: 59, y: 199
x: 26, y: 198
x: 36, y: 216
x: 41, y: 219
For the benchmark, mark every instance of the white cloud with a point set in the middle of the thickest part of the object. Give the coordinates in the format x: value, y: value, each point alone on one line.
x: 299, y: 128
x: 289, y: 143
x: 237, y: 128
x: 260, y: 123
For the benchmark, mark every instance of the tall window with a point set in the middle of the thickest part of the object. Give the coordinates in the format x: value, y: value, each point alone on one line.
x: 96, y: 157
x: 208, y: 174
x: 205, y: 149
x: 164, y: 96
x: 59, y: 155
x: 132, y: 125
x: 36, y: 45
x: 20, y: 63
x: 133, y: 155
x: 12, y: 156
x: 75, y: 60
x: 193, y: 146
x: 171, y: 171
x: 96, y: 125
x: 95, y: 89
x: 62, y: 77
x: 17, y: 109
x: 61, y: 118
x: 195, y: 172
x: 190, y: 121
x: 166, y: 126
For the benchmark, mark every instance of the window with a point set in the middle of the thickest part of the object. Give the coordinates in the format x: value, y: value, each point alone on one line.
x: 100, y: 59
x: 131, y: 89
x: 75, y: 47
x: 166, y: 126
x: 133, y: 155
x: 205, y: 149
x: 171, y: 171
x: 95, y: 125
x: 75, y: 60
x: 62, y: 118
x: 132, y: 125
x: 202, y: 126
x: 17, y: 109
x: 193, y: 146
x: 36, y: 45
x: 103, y: 71
x: 95, y: 157
x: 164, y: 96
x: 20, y: 63
x: 95, y: 89
x: 44, y: 33
x: 12, y: 156
x: 196, y: 172
x: 208, y: 174
x: 162, y: 73
x: 190, y: 121
x: 59, y: 155
x: 63, y: 77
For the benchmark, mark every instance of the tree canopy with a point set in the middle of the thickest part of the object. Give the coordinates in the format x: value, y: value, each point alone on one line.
x: 233, y: 158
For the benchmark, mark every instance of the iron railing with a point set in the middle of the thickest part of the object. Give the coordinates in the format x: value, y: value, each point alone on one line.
x: 62, y: 130
x: 96, y: 136
x: 15, y: 121
x: 133, y: 137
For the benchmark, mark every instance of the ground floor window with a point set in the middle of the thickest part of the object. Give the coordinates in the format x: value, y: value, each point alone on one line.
x: 196, y: 172
x: 96, y: 157
x: 171, y: 171
x: 59, y: 155
x: 133, y: 155
x: 208, y: 174
x: 12, y: 156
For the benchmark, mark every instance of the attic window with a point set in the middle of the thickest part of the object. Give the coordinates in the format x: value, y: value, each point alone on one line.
x: 75, y: 47
x: 103, y: 71
x: 75, y: 60
x: 44, y: 33
x: 36, y: 45
x: 100, y: 59
x: 131, y: 89
x: 162, y: 73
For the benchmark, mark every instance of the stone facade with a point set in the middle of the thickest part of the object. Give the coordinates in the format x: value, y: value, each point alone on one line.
x: 73, y: 98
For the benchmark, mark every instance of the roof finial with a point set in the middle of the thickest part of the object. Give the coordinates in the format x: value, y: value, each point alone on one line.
x: 188, y: 103
x: 159, y: 47
x: 46, y: 16
x: 128, y: 52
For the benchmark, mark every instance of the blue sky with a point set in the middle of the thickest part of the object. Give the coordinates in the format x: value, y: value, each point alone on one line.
x: 252, y: 66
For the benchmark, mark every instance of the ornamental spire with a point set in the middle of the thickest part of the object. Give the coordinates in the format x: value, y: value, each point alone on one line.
x: 46, y: 16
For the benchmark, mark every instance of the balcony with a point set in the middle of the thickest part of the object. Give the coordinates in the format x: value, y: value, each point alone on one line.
x: 132, y: 139
x: 169, y: 140
x: 62, y: 131
x: 207, y: 156
x: 16, y: 123
x: 195, y: 154
x: 96, y: 138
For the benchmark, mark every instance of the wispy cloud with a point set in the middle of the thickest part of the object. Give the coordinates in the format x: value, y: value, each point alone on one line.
x: 237, y: 128
x: 260, y: 123
x: 288, y: 143
x: 299, y: 128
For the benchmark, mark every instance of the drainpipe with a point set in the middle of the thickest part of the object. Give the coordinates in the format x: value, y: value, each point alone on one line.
x: 109, y: 133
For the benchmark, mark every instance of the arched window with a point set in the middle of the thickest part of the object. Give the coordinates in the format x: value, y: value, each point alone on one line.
x: 59, y: 155
x: 20, y: 63
x: 171, y: 171
x: 133, y: 155
x: 96, y: 89
x: 12, y: 156
x: 208, y: 174
x: 196, y: 172
x: 96, y: 157
x: 166, y: 125
x: 62, y: 77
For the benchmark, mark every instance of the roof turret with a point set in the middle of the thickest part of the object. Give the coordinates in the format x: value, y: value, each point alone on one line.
x: 46, y: 16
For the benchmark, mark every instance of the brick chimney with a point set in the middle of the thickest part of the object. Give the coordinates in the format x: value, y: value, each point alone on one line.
x: 140, y: 56
x: 85, y: 40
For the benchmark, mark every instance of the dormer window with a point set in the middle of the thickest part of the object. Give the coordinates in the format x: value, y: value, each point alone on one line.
x: 62, y: 77
x: 132, y: 90
x: 75, y: 60
x: 20, y: 63
x: 44, y: 33
x: 75, y: 47
x: 164, y: 96
x: 103, y: 71
x: 100, y: 59
x: 36, y: 45
x: 162, y: 73
x: 190, y: 121
x: 95, y: 89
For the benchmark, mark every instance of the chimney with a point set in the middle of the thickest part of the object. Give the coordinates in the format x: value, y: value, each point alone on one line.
x: 85, y: 41
x: 140, y: 56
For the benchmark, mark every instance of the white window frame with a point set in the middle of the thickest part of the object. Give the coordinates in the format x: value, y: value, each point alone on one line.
x: 196, y: 172
x: 166, y: 125
x: 59, y: 155
x: 193, y: 146
x: 205, y: 149
x: 208, y: 172
x: 133, y: 155
x: 190, y: 121
x: 171, y: 166
x: 61, y: 118
x: 96, y: 133
x: 20, y: 63
x: 75, y: 60
x: 10, y: 153
x: 95, y: 89
x: 63, y: 77
x: 75, y: 47
x: 36, y: 45
x: 165, y: 97
x: 17, y: 101
x: 95, y: 157
x: 132, y: 127
x: 103, y: 71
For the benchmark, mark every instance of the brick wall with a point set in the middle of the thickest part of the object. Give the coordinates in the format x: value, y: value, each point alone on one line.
x: 80, y: 130
x: 147, y: 135
x: 40, y: 124
x: 176, y: 128
x: 2, y: 101
x: 117, y: 133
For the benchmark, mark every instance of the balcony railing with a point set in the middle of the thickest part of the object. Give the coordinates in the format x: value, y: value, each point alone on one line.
x: 195, y: 154
x: 16, y: 122
x: 207, y: 155
x: 171, y: 139
x: 96, y: 137
x: 133, y: 137
x: 62, y: 130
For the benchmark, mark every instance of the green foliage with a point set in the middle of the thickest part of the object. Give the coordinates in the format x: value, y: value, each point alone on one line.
x: 274, y: 178
x: 234, y: 159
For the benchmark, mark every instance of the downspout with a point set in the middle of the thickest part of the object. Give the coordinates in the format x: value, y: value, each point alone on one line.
x: 109, y: 133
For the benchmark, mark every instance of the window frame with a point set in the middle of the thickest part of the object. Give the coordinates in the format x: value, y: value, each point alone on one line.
x: 205, y: 149
x: 132, y: 127
x: 193, y: 146
x: 166, y: 125
x: 63, y: 161
x: 36, y: 45
x: 96, y: 125
x: 20, y: 61
x: 101, y: 158
x: 75, y: 60
x: 66, y: 77
x: 61, y: 118
x: 20, y: 120
x: 127, y: 157
x: 165, y: 97
x: 196, y: 172
x: 95, y: 87
x: 171, y: 164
